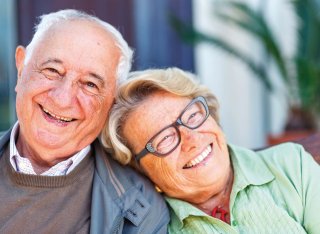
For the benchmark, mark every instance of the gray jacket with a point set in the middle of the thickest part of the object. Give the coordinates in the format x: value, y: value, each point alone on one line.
x: 122, y: 200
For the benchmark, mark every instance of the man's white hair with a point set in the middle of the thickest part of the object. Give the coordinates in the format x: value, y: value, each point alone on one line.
x: 48, y: 20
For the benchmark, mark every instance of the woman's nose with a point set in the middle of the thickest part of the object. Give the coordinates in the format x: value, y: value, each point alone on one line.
x: 189, y: 139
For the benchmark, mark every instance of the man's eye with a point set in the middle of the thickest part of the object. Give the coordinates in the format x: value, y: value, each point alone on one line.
x: 52, y: 70
x: 51, y: 73
x: 91, y: 88
x: 91, y: 85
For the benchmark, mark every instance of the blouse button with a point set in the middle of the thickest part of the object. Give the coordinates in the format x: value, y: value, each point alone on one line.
x: 234, y: 223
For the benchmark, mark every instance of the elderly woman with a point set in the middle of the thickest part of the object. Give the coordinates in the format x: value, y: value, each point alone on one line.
x: 166, y: 125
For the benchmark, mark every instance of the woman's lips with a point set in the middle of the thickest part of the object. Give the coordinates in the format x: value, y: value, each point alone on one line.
x: 201, y: 158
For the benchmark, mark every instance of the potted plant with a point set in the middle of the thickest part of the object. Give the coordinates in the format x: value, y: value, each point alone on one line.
x: 303, y: 84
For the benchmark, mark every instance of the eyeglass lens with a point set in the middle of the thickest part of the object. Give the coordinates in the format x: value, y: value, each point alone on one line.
x: 169, y: 138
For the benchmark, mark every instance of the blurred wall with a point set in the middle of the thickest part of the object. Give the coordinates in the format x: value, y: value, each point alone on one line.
x: 8, y: 41
x: 143, y: 23
x: 157, y: 44
x: 248, y: 112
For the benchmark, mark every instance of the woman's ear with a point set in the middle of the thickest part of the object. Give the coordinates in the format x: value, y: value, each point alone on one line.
x: 20, y: 56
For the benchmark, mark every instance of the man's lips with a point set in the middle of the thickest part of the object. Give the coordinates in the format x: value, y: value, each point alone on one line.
x: 55, y: 116
x: 200, y: 158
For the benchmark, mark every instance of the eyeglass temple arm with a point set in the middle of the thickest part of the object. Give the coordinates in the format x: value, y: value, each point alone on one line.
x: 141, y: 154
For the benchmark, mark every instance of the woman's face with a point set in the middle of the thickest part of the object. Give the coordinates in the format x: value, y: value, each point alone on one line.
x: 198, y: 168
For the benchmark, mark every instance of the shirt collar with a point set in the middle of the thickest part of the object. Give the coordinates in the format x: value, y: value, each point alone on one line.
x: 61, y: 168
x: 13, y: 148
x: 248, y: 168
x: 182, y: 210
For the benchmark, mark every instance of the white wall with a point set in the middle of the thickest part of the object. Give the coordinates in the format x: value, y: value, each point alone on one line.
x: 8, y: 37
x: 247, y: 112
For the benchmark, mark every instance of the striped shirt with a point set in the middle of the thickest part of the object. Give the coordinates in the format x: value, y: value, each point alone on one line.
x: 23, y: 165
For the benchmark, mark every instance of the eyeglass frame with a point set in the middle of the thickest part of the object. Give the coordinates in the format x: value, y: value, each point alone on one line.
x: 148, y: 147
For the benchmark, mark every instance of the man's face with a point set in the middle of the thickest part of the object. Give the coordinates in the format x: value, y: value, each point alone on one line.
x: 65, y: 90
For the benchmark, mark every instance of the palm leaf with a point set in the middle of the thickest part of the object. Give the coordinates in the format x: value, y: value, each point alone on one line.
x: 308, y: 54
x: 192, y: 36
x: 306, y: 60
x: 254, y: 23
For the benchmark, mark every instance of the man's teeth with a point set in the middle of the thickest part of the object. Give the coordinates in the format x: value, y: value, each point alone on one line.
x: 200, y: 158
x: 56, y: 116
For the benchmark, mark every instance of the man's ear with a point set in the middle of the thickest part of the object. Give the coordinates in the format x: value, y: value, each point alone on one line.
x: 20, y: 56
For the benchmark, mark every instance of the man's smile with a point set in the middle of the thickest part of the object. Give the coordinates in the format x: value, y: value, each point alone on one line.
x: 53, y: 116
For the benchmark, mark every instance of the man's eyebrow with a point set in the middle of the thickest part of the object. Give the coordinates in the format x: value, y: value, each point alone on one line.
x: 51, y: 60
x: 94, y: 75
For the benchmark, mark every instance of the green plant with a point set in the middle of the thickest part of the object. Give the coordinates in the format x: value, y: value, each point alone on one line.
x: 304, y: 83
x: 307, y: 59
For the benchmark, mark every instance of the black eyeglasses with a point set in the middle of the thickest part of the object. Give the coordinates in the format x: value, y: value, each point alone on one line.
x: 168, y: 138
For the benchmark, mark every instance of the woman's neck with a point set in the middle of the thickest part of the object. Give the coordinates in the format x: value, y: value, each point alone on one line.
x: 220, y: 200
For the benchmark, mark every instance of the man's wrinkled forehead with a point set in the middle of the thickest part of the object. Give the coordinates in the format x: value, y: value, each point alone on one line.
x: 67, y: 31
x: 83, y: 44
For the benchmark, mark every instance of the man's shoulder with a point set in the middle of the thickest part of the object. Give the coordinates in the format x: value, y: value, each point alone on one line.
x: 108, y: 168
x: 2, y: 133
x: 135, y: 195
x: 4, y: 138
x: 122, y: 178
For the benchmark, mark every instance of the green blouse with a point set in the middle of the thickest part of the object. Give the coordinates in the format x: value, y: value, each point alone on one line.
x: 276, y: 190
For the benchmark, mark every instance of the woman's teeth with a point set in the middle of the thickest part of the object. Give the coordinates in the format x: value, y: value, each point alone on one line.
x: 60, y: 118
x: 199, y: 159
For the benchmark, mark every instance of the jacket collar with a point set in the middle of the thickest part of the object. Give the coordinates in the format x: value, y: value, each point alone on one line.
x: 118, y: 180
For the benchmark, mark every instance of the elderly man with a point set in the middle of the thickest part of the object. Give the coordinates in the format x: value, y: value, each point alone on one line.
x: 54, y: 176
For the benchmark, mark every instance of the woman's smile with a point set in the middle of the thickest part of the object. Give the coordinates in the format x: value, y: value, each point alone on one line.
x: 201, y: 159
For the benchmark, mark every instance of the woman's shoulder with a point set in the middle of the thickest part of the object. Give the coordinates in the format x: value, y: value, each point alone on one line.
x: 283, y: 160
x: 291, y: 162
x: 285, y: 154
x: 279, y: 154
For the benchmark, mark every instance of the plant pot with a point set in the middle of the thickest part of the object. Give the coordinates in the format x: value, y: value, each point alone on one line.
x: 289, y: 136
x: 301, y: 123
x: 301, y: 120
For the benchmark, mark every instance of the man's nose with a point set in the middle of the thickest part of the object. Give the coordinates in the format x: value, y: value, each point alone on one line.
x: 64, y: 93
x: 189, y: 138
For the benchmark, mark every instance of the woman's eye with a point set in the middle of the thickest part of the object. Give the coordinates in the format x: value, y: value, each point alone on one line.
x: 166, y: 141
x: 194, y: 117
